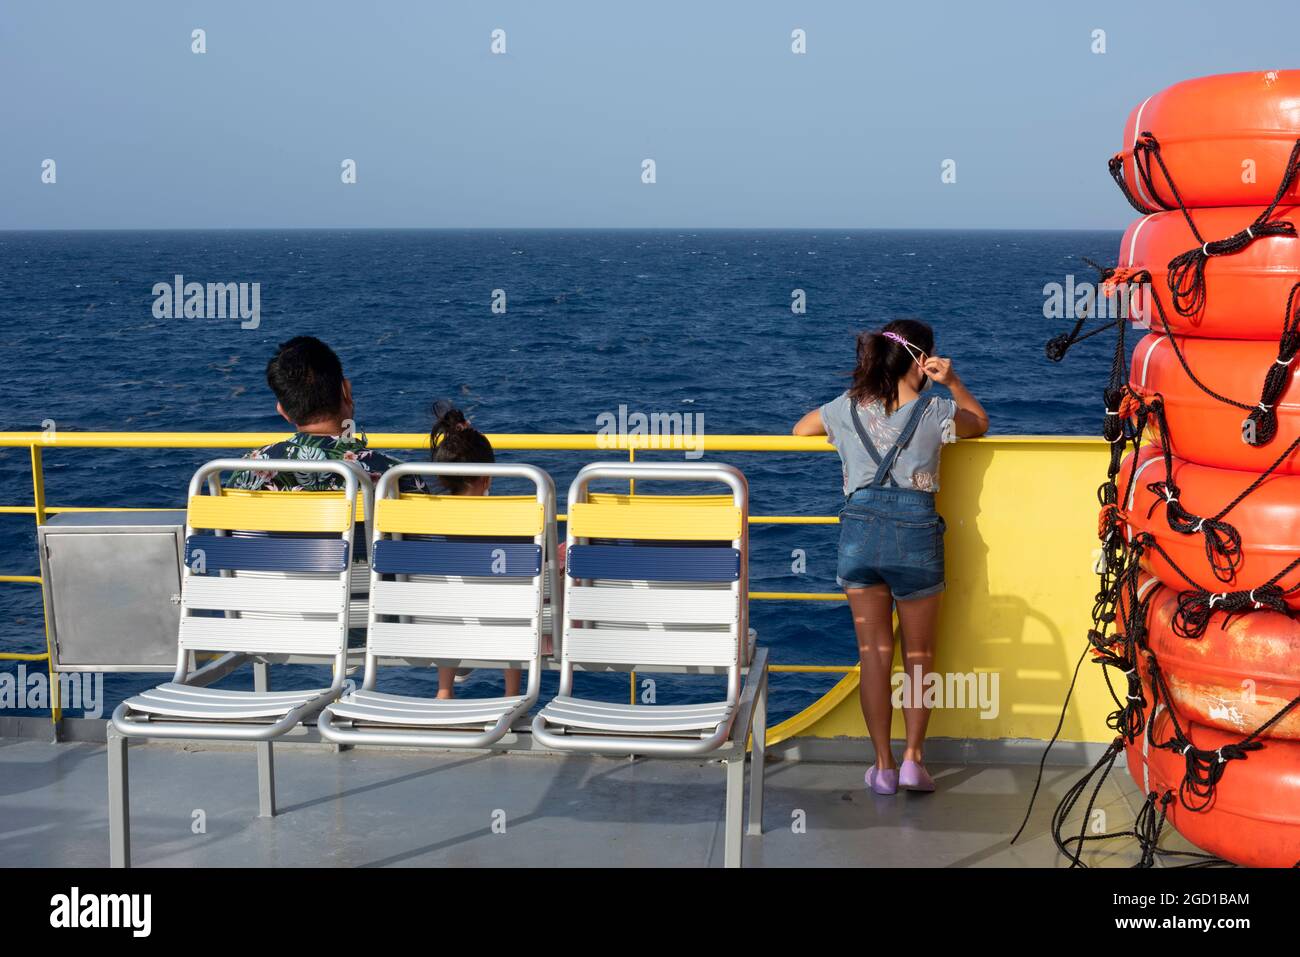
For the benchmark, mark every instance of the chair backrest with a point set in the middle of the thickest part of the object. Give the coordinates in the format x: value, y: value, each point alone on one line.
x: 303, y: 540
x: 458, y: 577
x: 360, y: 587
x: 657, y: 582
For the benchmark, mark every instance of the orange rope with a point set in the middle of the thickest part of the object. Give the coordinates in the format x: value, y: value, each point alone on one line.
x: 1120, y: 276
x: 1129, y: 405
x: 1110, y: 518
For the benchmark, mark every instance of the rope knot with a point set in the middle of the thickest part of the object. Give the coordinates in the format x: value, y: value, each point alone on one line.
x: 1130, y: 405
x: 1110, y: 519
x: 1187, y: 270
x: 1261, y: 424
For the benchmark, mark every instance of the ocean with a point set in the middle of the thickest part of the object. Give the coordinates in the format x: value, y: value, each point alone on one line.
x: 664, y: 321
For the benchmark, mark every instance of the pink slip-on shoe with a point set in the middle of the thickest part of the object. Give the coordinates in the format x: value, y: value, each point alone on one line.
x: 882, y: 781
x: 912, y: 776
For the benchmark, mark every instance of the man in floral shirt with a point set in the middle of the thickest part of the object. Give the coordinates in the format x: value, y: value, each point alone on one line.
x: 312, y: 395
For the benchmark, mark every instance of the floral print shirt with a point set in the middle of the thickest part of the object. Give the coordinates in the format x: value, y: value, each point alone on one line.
x: 307, y: 447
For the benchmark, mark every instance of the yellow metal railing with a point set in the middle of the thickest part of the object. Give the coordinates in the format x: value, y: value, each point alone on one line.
x: 36, y: 442
x: 1020, y: 551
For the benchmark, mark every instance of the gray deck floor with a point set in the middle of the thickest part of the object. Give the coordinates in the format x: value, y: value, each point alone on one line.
x: 385, y: 808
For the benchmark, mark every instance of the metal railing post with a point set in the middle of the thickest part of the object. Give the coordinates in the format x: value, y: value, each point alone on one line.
x: 38, y: 510
x: 631, y: 490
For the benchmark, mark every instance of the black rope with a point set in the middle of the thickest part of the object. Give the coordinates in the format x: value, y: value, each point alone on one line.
x: 1145, y: 149
x: 1204, y: 768
x: 1145, y: 277
x: 1057, y: 346
x: 1223, y: 550
x: 1187, y: 270
x: 1264, y: 416
x: 1101, y: 770
x: 1262, y: 413
x: 1118, y: 636
x: 1116, y: 167
x: 1148, y: 827
x: 1149, y: 824
x: 1196, y: 605
x: 1223, y: 546
x: 1042, y: 762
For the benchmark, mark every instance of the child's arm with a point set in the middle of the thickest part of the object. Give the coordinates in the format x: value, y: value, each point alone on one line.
x: 810, y: 424
x: 971, y: 420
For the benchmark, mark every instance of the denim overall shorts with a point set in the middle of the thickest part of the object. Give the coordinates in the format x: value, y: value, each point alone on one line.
x: 890, y: 535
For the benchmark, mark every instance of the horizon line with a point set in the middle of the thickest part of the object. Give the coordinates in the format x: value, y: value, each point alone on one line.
x: 575, y: 229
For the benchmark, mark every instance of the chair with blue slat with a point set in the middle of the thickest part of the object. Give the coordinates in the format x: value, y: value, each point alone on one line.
x: 659, y: 583
x: 455, y: 580
x: 230, y: 609
x: 360, y: 587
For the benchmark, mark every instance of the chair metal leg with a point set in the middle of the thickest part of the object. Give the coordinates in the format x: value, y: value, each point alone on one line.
x: 119, y: 801
x: 265, y: 780
x: 734, y: 824
x: 265, y: 756
x: 759, y: 756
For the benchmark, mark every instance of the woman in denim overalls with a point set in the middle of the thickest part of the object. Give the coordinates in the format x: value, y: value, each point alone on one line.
x: 889, y: 432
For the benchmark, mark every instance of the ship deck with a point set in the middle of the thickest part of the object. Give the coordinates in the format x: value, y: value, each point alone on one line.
x: 373, y: 807
x: 379, y: 808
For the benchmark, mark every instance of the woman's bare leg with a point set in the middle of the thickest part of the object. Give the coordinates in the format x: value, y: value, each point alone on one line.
x: 873, y: 621
x: 446, y: 682
x: 917, y: 619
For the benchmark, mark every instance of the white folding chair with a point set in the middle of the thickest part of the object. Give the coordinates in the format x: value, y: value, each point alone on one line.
x: 455, y: 581
x: 309, y: 540
x: 660, y: 584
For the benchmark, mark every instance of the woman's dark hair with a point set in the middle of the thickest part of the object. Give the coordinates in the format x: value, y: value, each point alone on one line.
x: 882, y: 361
x: 453, y: 439
x: 307, y: 379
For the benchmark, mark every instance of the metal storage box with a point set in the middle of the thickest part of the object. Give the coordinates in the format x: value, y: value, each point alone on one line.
x: 112, y: 589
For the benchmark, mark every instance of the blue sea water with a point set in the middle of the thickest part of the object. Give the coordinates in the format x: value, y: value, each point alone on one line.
x: 657, y: 321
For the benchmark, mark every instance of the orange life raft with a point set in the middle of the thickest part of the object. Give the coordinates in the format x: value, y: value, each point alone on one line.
x: 1268, y: 520
x: 1201, y: 428
x: 1245, y: 291
x: 1224, y: 139
x: 1254, y: 816
x: 1235, y: 677
x: 1218, y: 147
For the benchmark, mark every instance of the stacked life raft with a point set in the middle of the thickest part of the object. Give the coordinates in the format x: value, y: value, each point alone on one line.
x: 1200, y: 520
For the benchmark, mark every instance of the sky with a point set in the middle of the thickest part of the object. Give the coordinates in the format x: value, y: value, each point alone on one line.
x: 554, y: 132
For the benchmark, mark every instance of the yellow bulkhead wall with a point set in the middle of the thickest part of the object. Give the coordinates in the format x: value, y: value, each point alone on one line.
x: 1021, y: 547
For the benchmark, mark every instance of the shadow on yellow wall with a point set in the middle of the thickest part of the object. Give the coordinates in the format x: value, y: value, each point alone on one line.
x: 1021, y: 549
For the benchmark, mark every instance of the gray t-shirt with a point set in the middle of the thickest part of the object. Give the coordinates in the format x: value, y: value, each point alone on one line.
x: 917, y: 466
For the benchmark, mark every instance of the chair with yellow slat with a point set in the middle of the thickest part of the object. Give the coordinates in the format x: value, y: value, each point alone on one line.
x: 229, y: 607
x: 659, y: 583
x: 455, y: 580
x: 290, y: 502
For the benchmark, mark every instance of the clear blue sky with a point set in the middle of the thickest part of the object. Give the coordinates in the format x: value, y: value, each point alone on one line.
x: 744, y: 133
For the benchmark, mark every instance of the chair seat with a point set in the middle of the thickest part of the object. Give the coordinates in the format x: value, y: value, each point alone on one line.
x: 636, y: 719
x: 172, y: 700
x: 378, y: 707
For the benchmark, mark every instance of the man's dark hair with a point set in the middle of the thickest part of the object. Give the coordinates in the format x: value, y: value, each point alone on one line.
x: 307, y: 379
